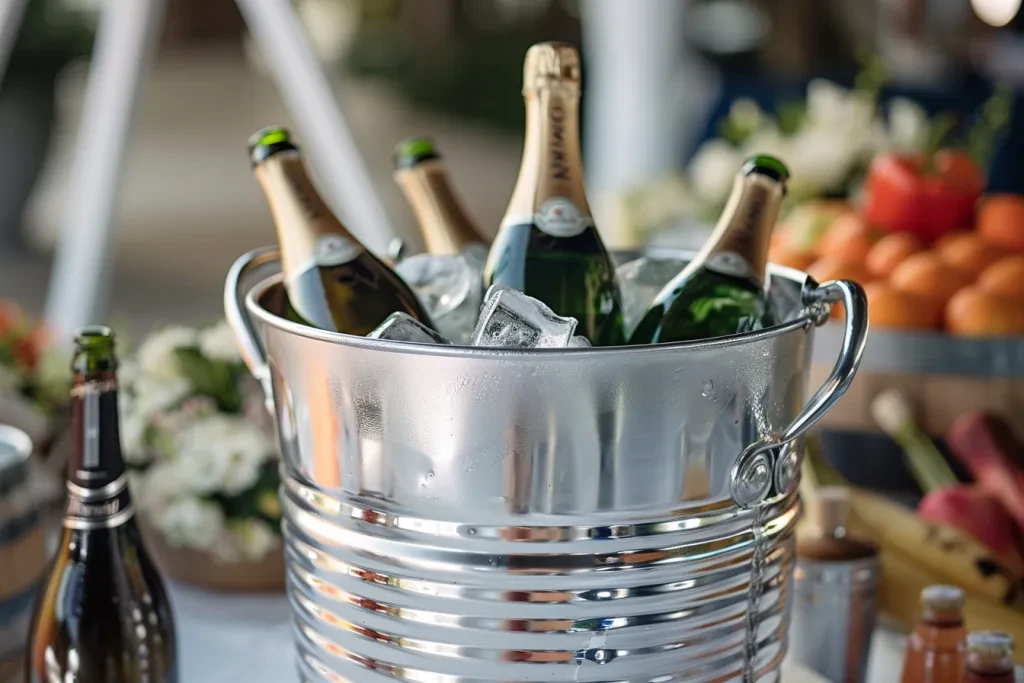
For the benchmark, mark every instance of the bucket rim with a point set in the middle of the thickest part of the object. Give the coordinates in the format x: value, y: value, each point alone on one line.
x: 804, y: 320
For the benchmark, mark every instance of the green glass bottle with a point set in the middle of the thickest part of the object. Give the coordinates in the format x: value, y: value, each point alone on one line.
x: 102, y: 614
x: 722, y: 291
x: 332, y: 281
x: 548, y: 246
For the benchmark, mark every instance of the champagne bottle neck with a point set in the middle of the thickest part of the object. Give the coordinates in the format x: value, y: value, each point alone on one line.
x: 444, y: 224
x: 739, y: 244
x: 97, y: 480
x: 549, y: 191
x: 308, y: 233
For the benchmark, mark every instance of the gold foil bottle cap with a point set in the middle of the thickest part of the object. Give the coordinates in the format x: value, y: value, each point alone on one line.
x: 551, y: 63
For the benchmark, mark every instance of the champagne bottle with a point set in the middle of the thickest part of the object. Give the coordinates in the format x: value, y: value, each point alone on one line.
x: 332, y: 281
x: 420, y: 172
x: 548, y: 246
x: 722, y: 291
x: 102, y: 615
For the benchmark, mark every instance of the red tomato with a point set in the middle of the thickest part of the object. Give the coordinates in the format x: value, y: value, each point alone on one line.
x: 903, y: 194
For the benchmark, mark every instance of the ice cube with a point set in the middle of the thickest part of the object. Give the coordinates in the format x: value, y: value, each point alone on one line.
x: 640, y: 281
x: 403, y: 327
x: 450, y: 288
x: 511, y: 319
x: 579, y: 342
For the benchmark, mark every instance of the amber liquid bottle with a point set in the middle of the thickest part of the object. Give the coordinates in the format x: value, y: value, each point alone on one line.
x: 989, y: 657
x: 936, y: 648
x: 102, y: 615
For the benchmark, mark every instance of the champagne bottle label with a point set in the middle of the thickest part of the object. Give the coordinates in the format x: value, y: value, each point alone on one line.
x: 731, y: 264
x: 560, y: 217
x: 105, y: 508
x: 334, y: 250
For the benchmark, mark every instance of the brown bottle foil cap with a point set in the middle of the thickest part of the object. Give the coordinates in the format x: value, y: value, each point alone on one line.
x: 551, y: 63
x: 943, y: 598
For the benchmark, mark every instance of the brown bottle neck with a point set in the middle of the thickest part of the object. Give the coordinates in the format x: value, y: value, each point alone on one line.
x: 552, y: 165
x: 741, y: 237
x: 444, y: 224
x: 95, y: 460
x: 301, y: 217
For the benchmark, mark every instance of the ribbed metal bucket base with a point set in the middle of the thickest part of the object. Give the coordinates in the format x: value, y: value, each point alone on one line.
x: 381, y: 597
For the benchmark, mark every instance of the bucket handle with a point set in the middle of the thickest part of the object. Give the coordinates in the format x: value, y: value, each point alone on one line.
x: 758, y: 467
x: 235, y: 289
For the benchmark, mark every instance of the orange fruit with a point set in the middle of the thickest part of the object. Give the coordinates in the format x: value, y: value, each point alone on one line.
x: 849, y: 239
x: 806, y: 224
x: 890, y: 251
x: 891, y: 308
x: 1005, y: 277
x: 1001, y: 221
x: 969, y: 252
x: 973, y: 312
x: 825, y: 269
x: 927, y: 275
x: 828, y: 268
x: 785, y: 256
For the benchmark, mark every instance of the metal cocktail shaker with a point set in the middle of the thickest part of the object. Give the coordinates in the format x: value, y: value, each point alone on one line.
x: 834, y: 597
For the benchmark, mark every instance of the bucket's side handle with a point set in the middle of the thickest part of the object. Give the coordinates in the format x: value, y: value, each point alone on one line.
x: 235, y: 290
x: 754, y: 472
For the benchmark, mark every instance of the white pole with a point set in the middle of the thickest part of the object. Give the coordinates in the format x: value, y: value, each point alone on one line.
x: 126, y: 41
x: 643, y: 95
x: 329, y: 146
x: 11, y: 13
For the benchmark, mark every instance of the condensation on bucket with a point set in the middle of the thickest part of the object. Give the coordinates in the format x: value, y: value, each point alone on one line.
x: 460, y: 515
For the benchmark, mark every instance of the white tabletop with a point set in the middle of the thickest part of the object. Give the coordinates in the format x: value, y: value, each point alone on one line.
x: 231, y: 637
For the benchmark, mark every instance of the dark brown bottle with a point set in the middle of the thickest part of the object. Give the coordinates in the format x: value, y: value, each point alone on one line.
x: 102, y: 615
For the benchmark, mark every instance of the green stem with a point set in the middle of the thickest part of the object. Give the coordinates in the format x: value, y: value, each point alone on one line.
x: 929, y: 469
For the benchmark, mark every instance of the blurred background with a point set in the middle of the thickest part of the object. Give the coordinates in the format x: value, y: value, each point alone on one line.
x: 662, y: 77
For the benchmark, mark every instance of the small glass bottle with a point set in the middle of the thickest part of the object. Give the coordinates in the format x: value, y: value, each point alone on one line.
x: 935, y: 649
x: 989, y: 657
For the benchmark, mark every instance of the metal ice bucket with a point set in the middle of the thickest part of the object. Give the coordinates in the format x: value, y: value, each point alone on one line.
x: 470, y: 515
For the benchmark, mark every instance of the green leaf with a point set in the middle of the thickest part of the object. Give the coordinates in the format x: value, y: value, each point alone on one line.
x: 791, y: 116
x: 215, y: 379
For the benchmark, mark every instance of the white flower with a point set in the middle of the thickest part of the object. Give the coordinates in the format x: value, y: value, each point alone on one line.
x: 820, y: 160
x: 218, y: 343
x: 253, y: 537
x: 133, y: 429
x: 155, y: 394
x: 156, y: 355
x: 908, y: 124
x: 833, y: 106
x: 191, y: 522
x: 713, y: 168
x: 161, y: 482
x: 221, y: 453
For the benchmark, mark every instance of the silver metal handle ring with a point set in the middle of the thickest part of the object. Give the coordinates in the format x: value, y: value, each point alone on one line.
x: 757, y: 469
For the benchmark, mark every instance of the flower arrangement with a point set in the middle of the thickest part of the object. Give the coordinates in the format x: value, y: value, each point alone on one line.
x: 827, y: 141
x: 31, y: 368
x: 199, y: 445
